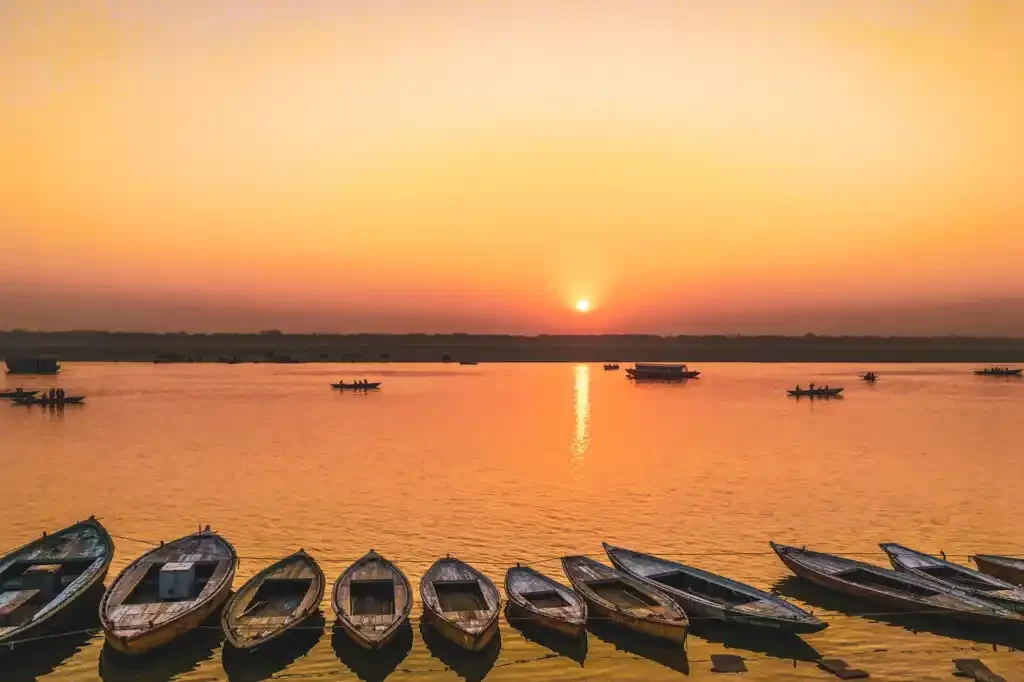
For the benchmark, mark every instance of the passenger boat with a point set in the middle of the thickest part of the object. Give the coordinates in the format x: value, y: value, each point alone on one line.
x: 46, y: 400
x: 900, y: 591
x: 708, y: 595
x: 1006, y: 568
x: 38, y: 364
x: 907, y: 560
x: 168, y: 591
x: 611, y: 366
x: 468, y: 362
x: 870, y: 377
x: 275, y: 600
x: 45, y: 580
x: 999, y: 372
x: 357, y: 387
x: 372, y: 600
x: 661, y: 372
x: 615, y: 596
x: 17, y: 393
x: 545, y: 601
x: 461, y: 602
x: 814, y: 392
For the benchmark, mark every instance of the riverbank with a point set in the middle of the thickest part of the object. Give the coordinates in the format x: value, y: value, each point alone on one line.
x: 99, y: 346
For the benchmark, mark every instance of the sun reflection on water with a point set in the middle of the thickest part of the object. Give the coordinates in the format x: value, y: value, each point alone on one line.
x: 581, y: 404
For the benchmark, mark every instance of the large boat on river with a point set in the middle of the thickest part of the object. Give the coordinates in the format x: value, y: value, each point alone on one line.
x: 38, y: 364
x: 657, y: 371
x: 999, y: 371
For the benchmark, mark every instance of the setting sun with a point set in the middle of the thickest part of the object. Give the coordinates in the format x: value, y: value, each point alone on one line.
x: 583, y: 305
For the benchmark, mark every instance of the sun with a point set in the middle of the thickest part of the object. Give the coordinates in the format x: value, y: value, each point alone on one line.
x: 583, y: 305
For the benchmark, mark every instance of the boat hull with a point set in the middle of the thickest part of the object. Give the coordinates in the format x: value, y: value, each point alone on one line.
x: 470, y: 641
x: 167, y: 633
x: 999, y: 570
x: 560, y: 625
x: 672, y: 632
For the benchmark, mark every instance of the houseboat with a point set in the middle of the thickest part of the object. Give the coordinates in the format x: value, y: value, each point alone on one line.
x: 661, y: 372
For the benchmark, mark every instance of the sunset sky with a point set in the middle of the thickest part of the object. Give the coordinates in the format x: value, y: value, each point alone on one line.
x: 837, y: 166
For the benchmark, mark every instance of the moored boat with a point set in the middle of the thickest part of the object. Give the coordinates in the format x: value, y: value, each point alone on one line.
x: 657, y: 371
x: 273, y: 601
x: 356, y: 386
x: 17, y: 393
x: 973, y: 582
x: 461, y: 602
x: 900, y: 591
x: 168, y: 591
x: 814, y: 392
x: 468, y: 362
x: 38, y: 364
x: 372, y: 600
x: 620, y: 598
x: 999, y: 372
x: 708, y: 595
x: 545, y: 601
x: 1008, y: 568
x: 45, y: 580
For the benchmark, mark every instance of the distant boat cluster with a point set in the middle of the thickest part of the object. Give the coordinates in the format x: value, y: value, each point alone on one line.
x: 173, y: 588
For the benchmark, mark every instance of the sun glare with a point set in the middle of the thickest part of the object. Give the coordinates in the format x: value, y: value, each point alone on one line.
x: 583, y: 305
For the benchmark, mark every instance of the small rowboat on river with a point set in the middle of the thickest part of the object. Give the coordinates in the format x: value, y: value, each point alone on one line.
x: 372, y: 600
x: 1008, y: 568
x: 168, y: 591
x: 275, y: 600
x: 814, y: 392
x: 66, y: 400
x: 355, y: 386
x: 461, y: 602
x: 618, y: 597
x: 545, y: 601
x: 708, y: 595
x: 902, y: 592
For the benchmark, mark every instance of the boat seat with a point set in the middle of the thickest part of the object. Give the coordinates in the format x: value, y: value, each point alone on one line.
x: 13, y: 603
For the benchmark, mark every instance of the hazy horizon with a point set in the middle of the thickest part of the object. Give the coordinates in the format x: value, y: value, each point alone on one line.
x: 761, y: 166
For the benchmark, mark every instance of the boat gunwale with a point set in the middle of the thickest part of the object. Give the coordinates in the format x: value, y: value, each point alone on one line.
x: 97, y: 576
x: 225, y: 615
x: 516, y: 598
x: 493, y: 614
x: 226, y: 580
x: 586, y: 592
x: 343, y: 615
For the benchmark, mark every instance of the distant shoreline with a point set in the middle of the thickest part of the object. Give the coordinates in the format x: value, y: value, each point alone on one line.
x: 98, y: 346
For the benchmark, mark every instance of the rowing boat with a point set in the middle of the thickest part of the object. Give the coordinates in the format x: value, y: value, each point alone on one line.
x: 973, y: 582
x: 168, y: 591
x: 461, y: 602
x: 67, y: 400
x: 341, y: 385
x: 1006, y: 568
x: 814, y: 392
x: 708, y: 595
x: 44, y: 581
x: 275, y: 600
x: 903, y: 592
x: 17, y: 394
x: 620, y: 598
x: 999, y: 372
x: 545, y: 601
x: 372, y: 600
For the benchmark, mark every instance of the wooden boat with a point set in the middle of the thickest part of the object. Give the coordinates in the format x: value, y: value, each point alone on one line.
x: 611, y: 366
x: 661, y: 372
x: 39, y: 364
x: 545, y: 601
x: 275, y: 600
x: 620, y: 598
x: 468, y: 362
x: 461, y: 602
x: 44, y: 581
x: 986, y: 587
x: 17, y: 393
x: 814, y: 392
x: 708, y: 595
x: 1006, y: 568
x: 901, y: 592
x: 67, y: 400
x: 869, y: 377
x: 372, y: 600
x: 357, y: 387
x: 999, y: 372
x: 168, y: 591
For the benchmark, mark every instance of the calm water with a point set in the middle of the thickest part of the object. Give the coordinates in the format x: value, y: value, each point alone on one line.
x: 505, y: 463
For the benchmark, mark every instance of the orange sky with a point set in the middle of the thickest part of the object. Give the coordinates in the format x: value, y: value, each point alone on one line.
x: 395, y: 166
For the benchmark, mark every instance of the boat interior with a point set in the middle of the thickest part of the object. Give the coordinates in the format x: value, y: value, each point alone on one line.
x: 460, y: 595
x: 547, y: 599
x: 621, y: 594
x: 686, y: 582
x: 147, y: 590
x: 28, y: 586
x: 277, y: 597
x: 861, y: 576
x: 960, y: 578
x: 372, y: 597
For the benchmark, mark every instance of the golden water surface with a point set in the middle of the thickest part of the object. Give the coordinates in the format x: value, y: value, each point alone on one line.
x: 526, y: 462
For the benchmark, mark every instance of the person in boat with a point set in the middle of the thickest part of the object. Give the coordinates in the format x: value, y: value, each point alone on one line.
x: 53, y: 394
x: 798, y: 388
